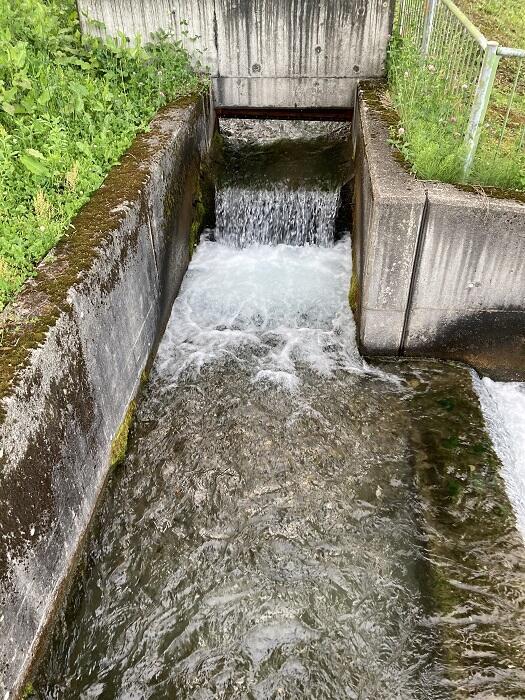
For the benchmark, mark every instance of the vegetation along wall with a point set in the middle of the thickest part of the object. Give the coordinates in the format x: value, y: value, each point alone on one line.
x: 75, y: 345
x: 265, y: 53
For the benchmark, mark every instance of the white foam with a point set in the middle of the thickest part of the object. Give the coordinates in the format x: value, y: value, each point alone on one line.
x: 503, y: 405
x: 270, y: 308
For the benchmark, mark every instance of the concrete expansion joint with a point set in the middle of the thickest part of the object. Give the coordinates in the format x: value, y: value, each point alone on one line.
x: 421, y: 234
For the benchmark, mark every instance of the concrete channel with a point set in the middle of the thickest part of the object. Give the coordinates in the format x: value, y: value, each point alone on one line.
x: 438, y: 272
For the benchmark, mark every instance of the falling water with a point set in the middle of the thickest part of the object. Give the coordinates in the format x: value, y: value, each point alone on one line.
x: 293, y: 192
x: 277, y: 215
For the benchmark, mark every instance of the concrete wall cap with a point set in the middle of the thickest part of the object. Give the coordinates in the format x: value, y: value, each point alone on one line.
x: 390, y: 180
x: 453, y: 196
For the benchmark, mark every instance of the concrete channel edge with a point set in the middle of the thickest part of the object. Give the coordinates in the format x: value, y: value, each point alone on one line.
x: 439, y: 269
x: 75, y: 344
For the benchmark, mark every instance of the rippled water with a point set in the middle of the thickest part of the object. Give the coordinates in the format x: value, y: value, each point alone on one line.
x: 291, y: 522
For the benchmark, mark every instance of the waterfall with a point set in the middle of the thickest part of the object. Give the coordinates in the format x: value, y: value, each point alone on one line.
x: 276, y: 215
x: 281, y: 182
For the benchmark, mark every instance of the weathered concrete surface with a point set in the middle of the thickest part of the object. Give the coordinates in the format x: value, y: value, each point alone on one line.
x: 440, y: 271
x: 388, y: 210
x: 74, y: 346
x: 266, y: 53
x: 469, y: 287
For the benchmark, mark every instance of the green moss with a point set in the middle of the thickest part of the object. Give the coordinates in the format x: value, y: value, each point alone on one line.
x: 27, y: 691
x: 204, y: 197
x: 465, y: 511
x: 198, y: 218
x: 119, y: 445
x: 353, y: 296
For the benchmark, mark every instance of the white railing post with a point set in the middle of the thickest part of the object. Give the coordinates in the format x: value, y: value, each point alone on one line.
x: 428, y: 24
x: 480, y: 104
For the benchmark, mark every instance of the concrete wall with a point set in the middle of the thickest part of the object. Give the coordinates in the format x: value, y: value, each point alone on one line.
x: 74, y: 346
x: 267, y: 53
x: 440, y: 271
x: 388, y: 209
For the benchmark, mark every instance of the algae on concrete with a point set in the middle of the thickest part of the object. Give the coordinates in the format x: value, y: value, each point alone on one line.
x: 119, y: 445
x: 476, y: 560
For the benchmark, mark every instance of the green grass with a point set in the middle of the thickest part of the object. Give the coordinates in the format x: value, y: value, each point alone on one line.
x: 69, y: 108
x: 500, y: 20
x: 433, y: 118
x: 428, y: 135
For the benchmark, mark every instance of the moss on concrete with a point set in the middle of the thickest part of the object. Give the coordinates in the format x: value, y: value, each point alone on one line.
x: 107, y: 229
x: 119, y: 446
x: 198, y: 218
x: 28, y: 691
x: 25, y: 323
x: 353, y: 295
x: 476, y: 561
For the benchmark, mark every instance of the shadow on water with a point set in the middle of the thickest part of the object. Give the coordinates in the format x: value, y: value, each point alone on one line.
x: 290, y: 521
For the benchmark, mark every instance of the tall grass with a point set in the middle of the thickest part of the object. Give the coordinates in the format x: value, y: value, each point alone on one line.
x: 69, y: 107
x: 433, y: 120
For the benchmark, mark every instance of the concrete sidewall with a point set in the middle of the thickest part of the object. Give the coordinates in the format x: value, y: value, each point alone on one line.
x: 70, y: 385
x: 440, y: 269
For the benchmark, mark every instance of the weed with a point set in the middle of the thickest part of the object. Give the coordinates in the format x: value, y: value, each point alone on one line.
x: 70, y: 106
x: 434, y: 105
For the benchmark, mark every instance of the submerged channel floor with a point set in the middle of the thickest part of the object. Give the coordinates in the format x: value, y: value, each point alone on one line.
x: 291, y: 522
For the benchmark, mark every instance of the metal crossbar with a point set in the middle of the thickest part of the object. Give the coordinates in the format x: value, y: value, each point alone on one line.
x: 466, y: 64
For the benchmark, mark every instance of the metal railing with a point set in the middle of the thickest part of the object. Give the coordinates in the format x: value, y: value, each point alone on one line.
x: 469, y: 67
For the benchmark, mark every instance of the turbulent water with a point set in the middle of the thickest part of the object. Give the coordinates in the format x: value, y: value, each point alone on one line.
x: 287, y: 521
x: 503, y: 406
x: 268, y: 309
x: 257, y: 546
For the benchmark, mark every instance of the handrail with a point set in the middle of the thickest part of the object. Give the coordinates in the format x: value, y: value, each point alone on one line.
x: 508, y: 52
x: 469, y: 26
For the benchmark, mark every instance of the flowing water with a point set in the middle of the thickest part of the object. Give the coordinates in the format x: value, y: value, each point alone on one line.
x: 503, y: 406
x: 291, y: 522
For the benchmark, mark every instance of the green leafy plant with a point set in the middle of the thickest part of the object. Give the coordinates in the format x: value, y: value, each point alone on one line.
x: 70, y: 106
